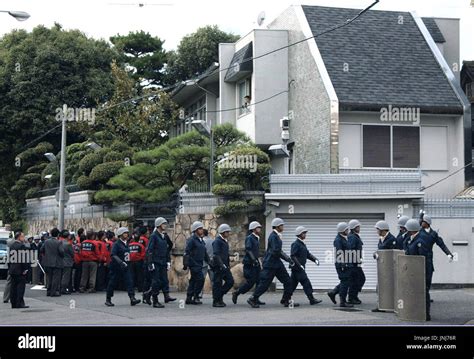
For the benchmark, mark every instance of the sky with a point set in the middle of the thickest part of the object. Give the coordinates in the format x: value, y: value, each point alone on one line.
x: 102, y: 19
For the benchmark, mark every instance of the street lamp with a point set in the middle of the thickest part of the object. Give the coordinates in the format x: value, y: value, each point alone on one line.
x: 204, y: 129
x: 19, y: 15
x: 51, y: 157
x: 94, y: 146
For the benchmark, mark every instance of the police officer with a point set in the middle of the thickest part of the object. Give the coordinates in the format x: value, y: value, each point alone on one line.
x: 434, y: 237
x: 221, y: 266
x: 300, y: 254
x: 157, y: 261
x: 402, y: 234
x: 386, y: 239
x: 273, y: 267
x: 343, y: 263
x: 418, y: 244
x: 358, y: 275
x: 194, y: 256
x: 251, y: 263
x: 119, y: 268
x: 169, y: 244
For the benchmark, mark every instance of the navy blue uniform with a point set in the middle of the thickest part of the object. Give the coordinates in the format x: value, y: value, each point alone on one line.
x: 120, y: 254
x: 251, y: 263
x: 169, y: 242
x: 420, y: 246
x: 401, y: 238
x: 221, y: 268
x: 273, y: 267
x: 389, y: 242
x: 195, y: 254
x: 358, y: 275
x: 343, y: 265
x: 157, y: 253
x: 300, y: 254
x: 435, y: 238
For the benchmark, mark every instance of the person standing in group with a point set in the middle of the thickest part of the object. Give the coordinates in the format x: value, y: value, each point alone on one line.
x: 206, y: 268
x: 273, y: 267
x: 77, y: 268
x: 119, y: 268
x: 251, y: 263
x: 402, y: 234
x: 18, y: 271
x: 53, y: 261
x: 166, y: 287
x: 90, y: 257
x: 223, y: 280
x: 343, y: 263
x: 8, y: 284
x: 101, y: 281
x: 194, y: 256
x: 137, y: 259
x: 358, y: 275
x: 300, y: 254
x: 68, y: 261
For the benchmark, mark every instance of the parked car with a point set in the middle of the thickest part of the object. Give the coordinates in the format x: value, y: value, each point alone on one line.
x: 4, y: 236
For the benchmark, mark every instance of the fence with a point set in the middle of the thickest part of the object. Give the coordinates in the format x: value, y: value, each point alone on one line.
x: 445, y: 208
x: 206, y: 202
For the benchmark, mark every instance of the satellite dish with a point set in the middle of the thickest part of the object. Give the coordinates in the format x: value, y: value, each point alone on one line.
x: 261, y: 18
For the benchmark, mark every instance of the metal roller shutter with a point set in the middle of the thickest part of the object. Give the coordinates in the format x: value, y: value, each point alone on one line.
x: 319, y: 240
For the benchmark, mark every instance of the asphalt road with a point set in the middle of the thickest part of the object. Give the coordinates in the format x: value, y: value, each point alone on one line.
x: 450, y: 307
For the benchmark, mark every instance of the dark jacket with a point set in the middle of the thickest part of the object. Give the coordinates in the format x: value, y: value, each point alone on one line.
x: 158, y: 249
x: 120, y: 253
x: 435, y: 238
x: 300, y: 254
x: 343, y: 253
x: 401, y: 238
x: 195, y: 252
x: 274, y: 252
x: 251, y: 250
x: 53, y: 251
x: 220, y: 249
x: 68, y: 254
x: 356, y: 244
x: 420, y: 246
x: 14, y: 266
x: 389, y: 242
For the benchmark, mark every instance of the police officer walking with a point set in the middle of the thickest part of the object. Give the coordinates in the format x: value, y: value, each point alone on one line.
x: 169, y: 244
x: 251, y: 263
x: 300, y: 254
x: 386, y: 239
x: 157, y: 261
x: 358, y: 275
x: 223, y: 280
x: 435, y: 238
x: 194, y: 256
x: 119, y: 268
x: 343, y: 263
x: 402, y: 234
x: 273, y: 267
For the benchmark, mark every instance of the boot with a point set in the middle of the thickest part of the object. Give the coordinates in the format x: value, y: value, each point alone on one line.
x: 313, y: 301
x: 156, y: 303
x: 285, y: 300
x: 253, y: 302
x: 345, y: 304
x: 260, y: 302
x: 108, y: 302
x: 222, y: 302
x: 196, y: 300
x: 332, y: 296
x: 168, y: 298
x: 217, y: 303
x: 147, y: 297
x: 428, y: 317
x: 190, y: 300
x: 134, y: 301
x: 354, y: 301
x: 235, y: 295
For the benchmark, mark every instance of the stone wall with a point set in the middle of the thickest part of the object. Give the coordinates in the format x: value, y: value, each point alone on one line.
x: 239, y: 223
x: 36, y: 227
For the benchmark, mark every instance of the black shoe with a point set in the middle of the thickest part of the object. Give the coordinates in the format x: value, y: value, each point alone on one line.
x: 197, y: 301
x: 354, y: 301
x: 64, y: 292
x: 5, y: 301
x: 218, y: 304
x: 377, y: 310
x: 222, y: 302
x: 428, y: 317
x: 346, y: 305
x: 314, y: 301
x: 147, y: 297
x: 134, y: 301
x: 332, y: 296
x: 23, y: 306
x: 168, y: 298
x: 235, y: 295
x: 189, y: 300
x: 288, y: 303
x: 57, y: 294
x: 260, y: 302
x: 253, y: 302
x: 109, y: 303
x: 431, y: 300
x: 156, y: 303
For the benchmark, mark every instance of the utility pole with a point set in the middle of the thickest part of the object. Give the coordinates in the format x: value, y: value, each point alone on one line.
x: 62, y: 173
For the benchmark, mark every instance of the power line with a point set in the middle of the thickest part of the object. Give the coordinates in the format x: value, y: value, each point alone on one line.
x: 444, y: 178
x: 39, y: 138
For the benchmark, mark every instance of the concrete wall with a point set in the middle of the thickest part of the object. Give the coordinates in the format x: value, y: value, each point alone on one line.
x: 450, y: 49
x: 308, y: 101
x: 226, y: 90
x: 452, y: 155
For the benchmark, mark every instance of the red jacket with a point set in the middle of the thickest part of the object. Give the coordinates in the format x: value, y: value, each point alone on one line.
x: 77, y: 252
x: 90, y: 251
x: 143, y: 240
x: 108, y: 250
x: 137, y: 251
x: 103, y: 251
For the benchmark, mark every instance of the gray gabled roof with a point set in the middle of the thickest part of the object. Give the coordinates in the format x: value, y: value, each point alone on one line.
x: 389, y: 61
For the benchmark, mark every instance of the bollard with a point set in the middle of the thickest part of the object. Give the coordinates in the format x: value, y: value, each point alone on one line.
x: 386, y: 278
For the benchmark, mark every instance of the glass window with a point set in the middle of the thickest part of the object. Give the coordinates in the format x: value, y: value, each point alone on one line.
x: 244, y: 90
x: 406, y: 147
x: 376, y: 146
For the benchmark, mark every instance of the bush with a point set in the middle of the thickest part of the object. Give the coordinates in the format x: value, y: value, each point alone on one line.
x: 231, y: 207
x: 105, y: 171
x: 84, y: 182
x: 256, y: 202
x: 227, y: 189
x: 89, y: 162
x: 113, y: 156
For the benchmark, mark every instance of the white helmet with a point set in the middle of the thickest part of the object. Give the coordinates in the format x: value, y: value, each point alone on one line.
x: 122, y: 230
x: 159, y: 221
x: 254, y: 225
x: 412, y: 225
x: 300, y: 230
x: 277, y: 222
x: 196, y: 225
x: 427, y: 219
x: 342, y: 227
x: 354, y: 223
x: 382, y: 226
x: 402, y: 221
x: 224, y: 228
